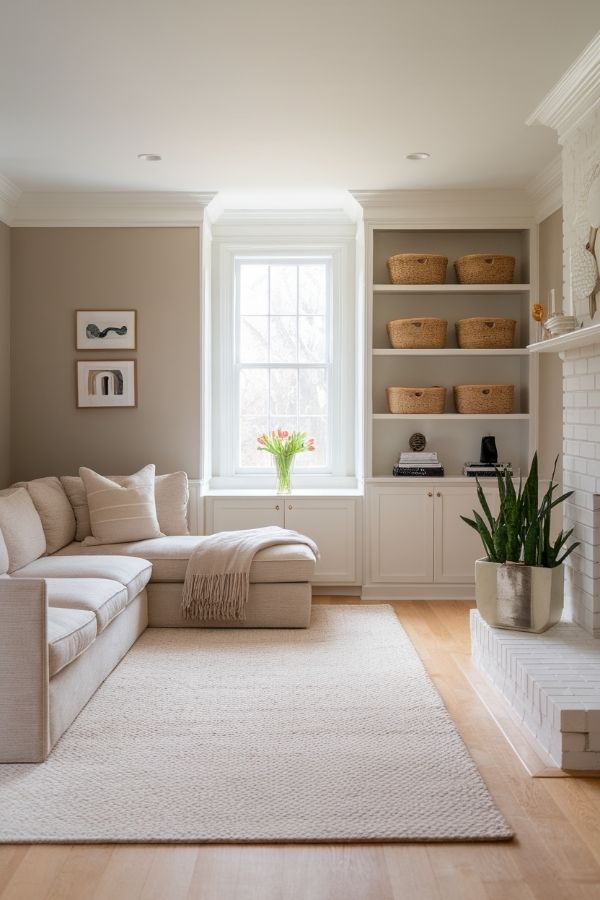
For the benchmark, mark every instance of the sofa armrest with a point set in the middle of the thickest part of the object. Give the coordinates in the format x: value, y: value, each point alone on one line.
x: 23, y: 670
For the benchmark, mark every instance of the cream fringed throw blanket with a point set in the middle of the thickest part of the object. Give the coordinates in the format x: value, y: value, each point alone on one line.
x: 217, y: 579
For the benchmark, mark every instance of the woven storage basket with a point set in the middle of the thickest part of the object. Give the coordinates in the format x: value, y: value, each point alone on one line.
x: 416, y: 400
x: 417, y: 334
x: 417, y: 268
x: 484, y: 398
x: 485, y: 268
x: 478, y: 332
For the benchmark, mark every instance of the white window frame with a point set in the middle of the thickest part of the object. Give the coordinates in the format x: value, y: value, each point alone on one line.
x: 225, y: 372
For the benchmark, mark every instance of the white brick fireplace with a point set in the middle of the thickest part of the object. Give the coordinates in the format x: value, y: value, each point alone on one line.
x: 552, y: 681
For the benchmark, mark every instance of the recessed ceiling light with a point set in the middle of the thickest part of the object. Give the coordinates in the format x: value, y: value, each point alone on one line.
x: 417, y: 155
x: 149, y: 157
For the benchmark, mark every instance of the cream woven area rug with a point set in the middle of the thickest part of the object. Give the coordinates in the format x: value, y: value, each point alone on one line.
x: 331, y: 734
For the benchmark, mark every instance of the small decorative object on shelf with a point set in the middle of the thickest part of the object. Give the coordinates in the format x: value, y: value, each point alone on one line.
x: 417, y: 334
x: 417, y: 442
x: 485, y: 268
x: 489, y: 452
x: 284, y: 446
x: 417, y: 400
x: 519, y: 583
x: 484, y: 399
x: 487, y: 470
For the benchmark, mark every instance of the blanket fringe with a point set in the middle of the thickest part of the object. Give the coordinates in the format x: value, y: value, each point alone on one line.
x: 222, y: 597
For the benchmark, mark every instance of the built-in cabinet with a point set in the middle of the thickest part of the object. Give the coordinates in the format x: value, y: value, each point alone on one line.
x: 332, y: 522
x: 417, y: 544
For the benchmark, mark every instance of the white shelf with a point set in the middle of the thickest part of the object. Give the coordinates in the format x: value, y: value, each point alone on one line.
x: 452, y: 351
x: 398, y: 417
x: 582, y: 337
x: 450, y: 288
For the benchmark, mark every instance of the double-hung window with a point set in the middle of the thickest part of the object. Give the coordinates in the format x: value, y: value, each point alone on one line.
x: 283, y: 356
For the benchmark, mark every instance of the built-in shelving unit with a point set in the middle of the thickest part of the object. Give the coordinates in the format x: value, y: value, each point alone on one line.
x: 388, y: 434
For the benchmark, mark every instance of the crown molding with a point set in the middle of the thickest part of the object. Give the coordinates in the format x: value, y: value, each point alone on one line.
x: 447, y: 208
x: 574, y: 95
x: 110, y: 209
x: 545, y: 189
x: 9, y: 197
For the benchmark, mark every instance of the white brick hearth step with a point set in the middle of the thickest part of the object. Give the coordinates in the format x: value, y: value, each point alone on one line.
x: 552, y: 681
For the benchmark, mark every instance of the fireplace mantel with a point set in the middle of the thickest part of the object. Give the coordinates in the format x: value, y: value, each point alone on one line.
x: 583, y: 337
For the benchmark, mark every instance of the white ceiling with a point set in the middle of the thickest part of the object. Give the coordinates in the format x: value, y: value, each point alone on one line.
x: 270, y: 94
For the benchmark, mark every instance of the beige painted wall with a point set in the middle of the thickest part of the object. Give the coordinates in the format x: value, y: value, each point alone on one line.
x: 58, y: 270
x: 550, y: 413
x: 4, y: 355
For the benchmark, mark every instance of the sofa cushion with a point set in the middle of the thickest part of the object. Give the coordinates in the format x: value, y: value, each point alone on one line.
x: 171, y: 494
x: 170, y: 555
x: 105, y: 598
x: 70, y: 632
x: 121, y: 512
x: 3, y: 556
x: 54, y: 509
x: 132, y: 573
x: 21, y: 528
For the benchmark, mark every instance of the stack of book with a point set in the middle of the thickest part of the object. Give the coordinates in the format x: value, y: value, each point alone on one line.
x: 418, y: 465
x: 487, y: 470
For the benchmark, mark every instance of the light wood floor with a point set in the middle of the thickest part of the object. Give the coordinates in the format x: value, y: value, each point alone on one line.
x: 556, y: 855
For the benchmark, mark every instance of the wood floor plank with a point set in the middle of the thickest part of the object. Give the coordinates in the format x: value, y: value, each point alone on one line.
x: 125, y: 874
x: 33, y: 877
x: 81, y: 871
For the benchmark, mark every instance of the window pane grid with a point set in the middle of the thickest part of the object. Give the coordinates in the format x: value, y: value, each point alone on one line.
x: 283, y: 359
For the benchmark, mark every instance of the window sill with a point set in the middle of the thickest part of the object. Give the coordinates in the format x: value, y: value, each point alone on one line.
x: 304, y: 487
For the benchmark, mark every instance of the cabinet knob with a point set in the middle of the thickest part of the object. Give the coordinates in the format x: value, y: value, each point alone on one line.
x: 277, y: 507
x: 430, y: 493
x: 438, y: 494
x: 290, y: 506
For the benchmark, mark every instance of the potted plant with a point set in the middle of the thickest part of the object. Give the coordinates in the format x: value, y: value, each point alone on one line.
x: 519, y: 583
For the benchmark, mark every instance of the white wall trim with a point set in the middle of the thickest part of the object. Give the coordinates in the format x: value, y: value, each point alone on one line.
x: 545, y: 189
x: 9, y: 197
x: 574, y: 95
x: 438, y: 208
x: 110, y: 209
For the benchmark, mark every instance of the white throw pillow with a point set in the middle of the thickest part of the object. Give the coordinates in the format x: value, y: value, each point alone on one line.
x: 3, y: 556
x: 21, y: 528
x: 54, y: 509
x: 171, y: 494
x: 121, y: 513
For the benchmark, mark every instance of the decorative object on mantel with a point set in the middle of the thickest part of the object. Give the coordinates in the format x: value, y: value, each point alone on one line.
x: 485, y: 268
x: 519, y: 584
x: 284, y: 446
x: 558, y: 325
x: 417, y: 334
x: 584, y: 272
x: 417, y: 268
x: 106, y: 329
x: 106, y: 383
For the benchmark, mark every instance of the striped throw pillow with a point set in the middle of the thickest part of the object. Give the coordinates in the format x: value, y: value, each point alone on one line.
x: 121, y: 512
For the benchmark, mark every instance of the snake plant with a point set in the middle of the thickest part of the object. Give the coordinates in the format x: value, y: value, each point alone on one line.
x: 520, y: 533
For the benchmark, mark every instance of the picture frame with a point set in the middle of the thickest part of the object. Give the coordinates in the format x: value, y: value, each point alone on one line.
x: 106, y: 329
x: 106, y: 383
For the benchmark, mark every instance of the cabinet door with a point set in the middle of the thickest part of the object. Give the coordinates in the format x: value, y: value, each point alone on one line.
x: 400, y: 534
x: 456, y: 546
x: 331, y: 523
x: 231, y: 514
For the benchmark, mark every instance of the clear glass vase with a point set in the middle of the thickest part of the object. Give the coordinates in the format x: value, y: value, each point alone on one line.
x: 283, y: 467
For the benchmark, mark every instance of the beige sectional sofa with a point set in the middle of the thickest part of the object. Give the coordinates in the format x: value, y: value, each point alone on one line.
x: 69, y: 612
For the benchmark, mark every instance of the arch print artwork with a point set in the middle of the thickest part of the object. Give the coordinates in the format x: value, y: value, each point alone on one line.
x: 106, y: 383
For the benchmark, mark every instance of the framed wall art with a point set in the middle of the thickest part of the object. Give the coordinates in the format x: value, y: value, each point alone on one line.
x: 106, y: 329
x: 106, y: 383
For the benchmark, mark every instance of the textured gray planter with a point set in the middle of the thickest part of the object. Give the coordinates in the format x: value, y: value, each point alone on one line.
x: 521, y: 598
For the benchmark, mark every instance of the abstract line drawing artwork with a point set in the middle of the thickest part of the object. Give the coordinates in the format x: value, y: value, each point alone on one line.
x: 109, y: 383
x: 106, y: 329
